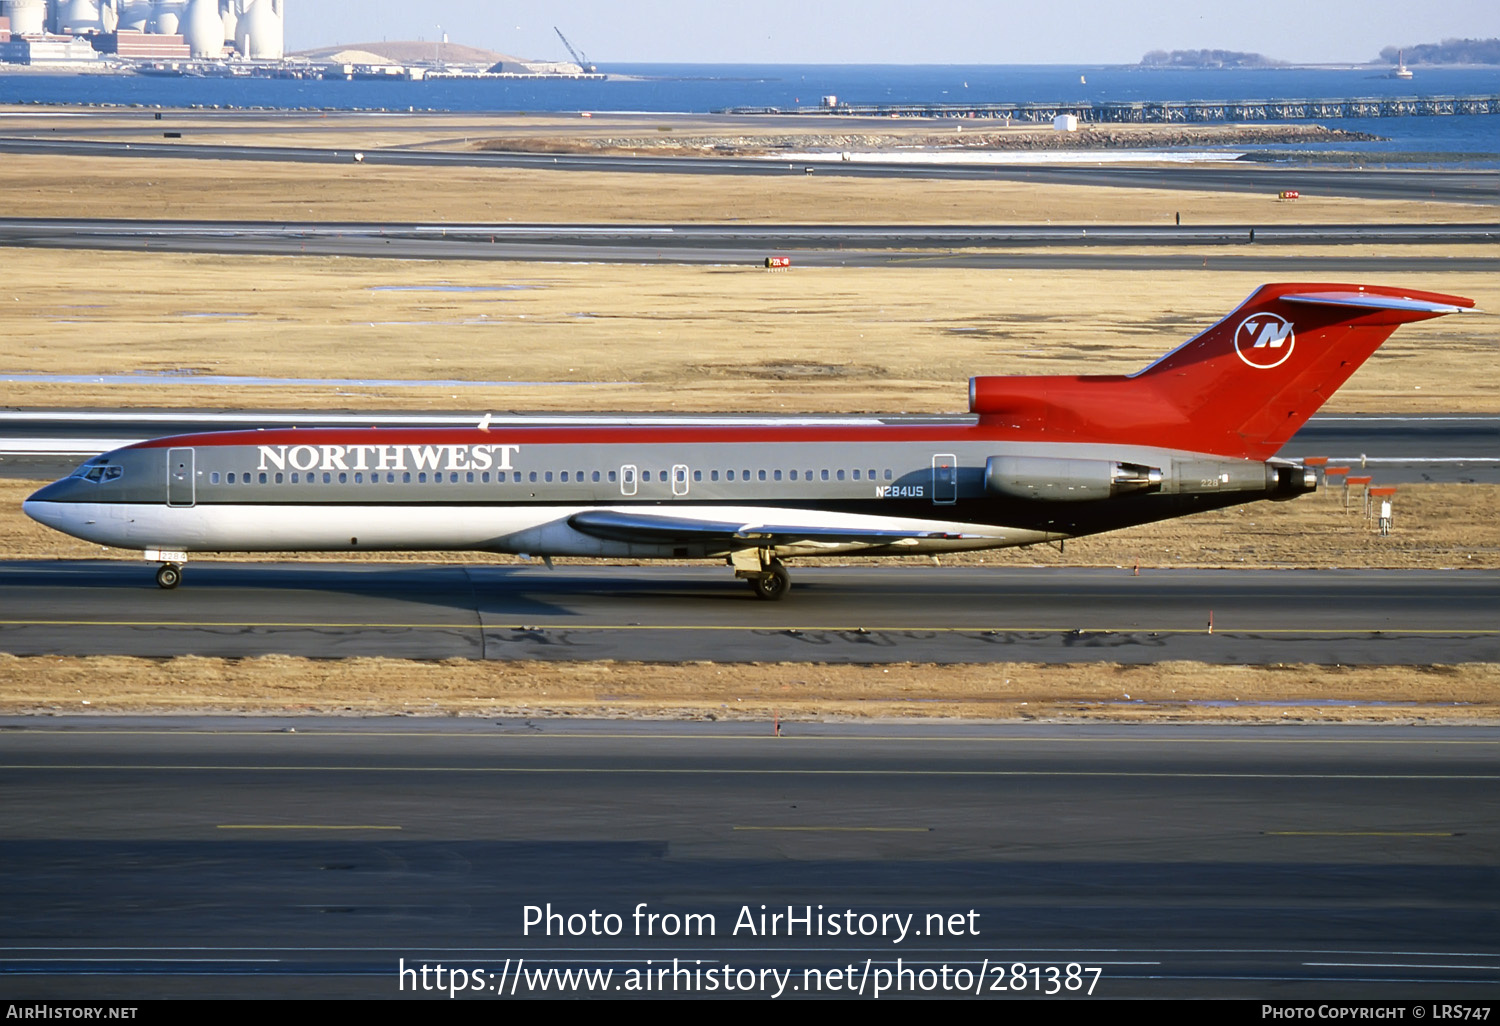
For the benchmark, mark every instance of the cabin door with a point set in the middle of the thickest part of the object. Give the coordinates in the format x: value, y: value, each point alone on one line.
x: 181, y: 480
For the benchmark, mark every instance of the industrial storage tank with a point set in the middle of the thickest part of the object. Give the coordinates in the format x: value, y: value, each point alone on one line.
x: 27, y: 17
x: 229, y: 12
x: 203, y: 29
x: 78, y: 16
x: 135, y: 15
x: 258, y: 33
x: 167, y: 16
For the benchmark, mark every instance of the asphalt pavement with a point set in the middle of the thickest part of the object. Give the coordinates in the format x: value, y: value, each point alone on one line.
x: 229, y: 858
x: 870, y: 613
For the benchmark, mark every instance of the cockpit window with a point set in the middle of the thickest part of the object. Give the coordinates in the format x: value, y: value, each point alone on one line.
x: 97, y: 474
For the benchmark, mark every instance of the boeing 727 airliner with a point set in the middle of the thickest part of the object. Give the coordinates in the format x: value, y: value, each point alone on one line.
x: 1048, y: 458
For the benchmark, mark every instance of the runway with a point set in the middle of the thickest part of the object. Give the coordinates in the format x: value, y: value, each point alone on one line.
x: 863, y: 614
x: 307, y: 858
x: 1404, y: 449
x: 1445, y: 185
x: 1146, y: 247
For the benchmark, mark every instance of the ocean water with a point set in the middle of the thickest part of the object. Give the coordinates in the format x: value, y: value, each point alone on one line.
x: 691, y: 88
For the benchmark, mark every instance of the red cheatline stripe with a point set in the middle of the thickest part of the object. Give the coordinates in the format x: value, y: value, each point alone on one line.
x: 568, y: 436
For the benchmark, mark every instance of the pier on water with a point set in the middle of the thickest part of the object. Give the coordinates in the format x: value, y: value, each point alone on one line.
x: 1162, y: 111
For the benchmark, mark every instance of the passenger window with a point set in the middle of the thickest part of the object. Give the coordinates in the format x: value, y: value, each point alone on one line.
x: 794, y: 475
x: 327, y: 477
x: 93, y: 475
x: 548, y: 476
x: 841, y: 475
x: 856, y: 473
x: 213, y: 478
x: 825, y: 475
x: 359, y: 478
x: 533, y: 477
x: 564, y: 475
x: 887, y: 475
x: 713, y: 475
x: 406, y: 477
x: 762, y: 475
x: 731, y: 475
x: 777, y: 475
x: 697, y: 475
x: 263, y: 479
x: 596, y: 476
x: 280, y: 478
x: 611, y: 477
x: 422, y: 477
x: 469, y: 477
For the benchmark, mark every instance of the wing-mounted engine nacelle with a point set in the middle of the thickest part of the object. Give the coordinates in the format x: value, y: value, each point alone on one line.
x: 1060, y: 479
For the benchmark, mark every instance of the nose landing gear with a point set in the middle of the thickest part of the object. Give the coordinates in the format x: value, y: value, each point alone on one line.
x: 169, y: 574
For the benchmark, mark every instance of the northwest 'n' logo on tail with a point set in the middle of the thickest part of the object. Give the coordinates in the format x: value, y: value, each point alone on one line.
x: 1241, y: 388
x: 1264, y: 340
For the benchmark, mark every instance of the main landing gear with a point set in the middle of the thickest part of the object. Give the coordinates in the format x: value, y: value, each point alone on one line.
x: 168, y: 575
x: 767, y: 576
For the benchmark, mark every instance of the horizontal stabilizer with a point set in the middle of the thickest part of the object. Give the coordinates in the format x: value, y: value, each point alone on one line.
x: 1373, y: 301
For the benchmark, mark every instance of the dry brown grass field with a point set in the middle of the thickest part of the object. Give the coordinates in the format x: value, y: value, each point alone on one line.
x: 632, y: 337
x: 63, y: 186
x: 757, y: 694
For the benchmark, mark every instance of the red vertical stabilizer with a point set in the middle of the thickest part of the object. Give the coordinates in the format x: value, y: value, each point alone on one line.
x: 1242, y: 388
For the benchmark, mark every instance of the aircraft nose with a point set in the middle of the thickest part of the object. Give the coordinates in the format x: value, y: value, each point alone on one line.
x: 43, y: 506
x: 57, y: 491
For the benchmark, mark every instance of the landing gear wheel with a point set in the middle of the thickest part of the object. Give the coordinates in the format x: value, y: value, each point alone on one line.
x: 168, y: 576
x: 772, y: 585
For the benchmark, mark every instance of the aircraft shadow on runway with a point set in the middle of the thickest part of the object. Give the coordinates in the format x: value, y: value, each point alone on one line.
x: 271, y: 591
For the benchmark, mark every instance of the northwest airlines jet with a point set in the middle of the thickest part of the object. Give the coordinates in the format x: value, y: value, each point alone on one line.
x: 1049, y: 458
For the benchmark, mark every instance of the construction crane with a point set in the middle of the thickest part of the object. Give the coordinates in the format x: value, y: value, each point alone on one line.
x: 579, y: 59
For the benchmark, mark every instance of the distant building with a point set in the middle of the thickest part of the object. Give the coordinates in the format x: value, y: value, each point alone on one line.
x: 140, y: 45
x: 141, y: 29
x: 47, y: 50
x: 513, y: 66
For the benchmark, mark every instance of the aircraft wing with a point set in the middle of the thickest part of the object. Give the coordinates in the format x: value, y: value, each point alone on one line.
x: 651, y: 528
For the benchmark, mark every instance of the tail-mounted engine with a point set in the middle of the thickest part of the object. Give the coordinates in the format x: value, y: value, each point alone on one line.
x: 1053, y: 479
x: 1061, y: 479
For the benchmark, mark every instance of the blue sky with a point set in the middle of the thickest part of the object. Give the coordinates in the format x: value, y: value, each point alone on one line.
x: 900, y: 31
